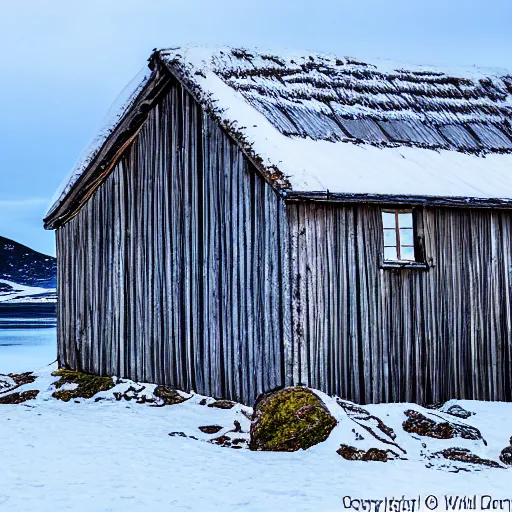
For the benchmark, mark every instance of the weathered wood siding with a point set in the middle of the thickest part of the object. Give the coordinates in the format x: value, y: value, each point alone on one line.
x: 172, y: 272
x: 185, y: 268
x: 372, y: 334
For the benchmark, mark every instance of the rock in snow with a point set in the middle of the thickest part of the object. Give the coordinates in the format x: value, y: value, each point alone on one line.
x: 506, y: 454
x: 373, y: 454
x: 288, y: 420
x: 418, y: 423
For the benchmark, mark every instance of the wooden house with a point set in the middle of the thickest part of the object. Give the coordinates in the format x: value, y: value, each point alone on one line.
x: 252, y: 220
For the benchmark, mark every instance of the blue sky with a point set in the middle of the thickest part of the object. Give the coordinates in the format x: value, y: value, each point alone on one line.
x: 63, y: 63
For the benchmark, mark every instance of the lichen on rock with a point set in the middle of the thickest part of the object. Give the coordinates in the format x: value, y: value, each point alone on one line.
x: 288, y: 420
x: 87, y: 385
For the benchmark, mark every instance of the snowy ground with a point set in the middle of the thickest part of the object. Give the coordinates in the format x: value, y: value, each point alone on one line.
x: 118, y: 456
x: 11, y: 292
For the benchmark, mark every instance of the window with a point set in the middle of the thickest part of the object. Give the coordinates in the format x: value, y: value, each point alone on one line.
x: 399, y: 236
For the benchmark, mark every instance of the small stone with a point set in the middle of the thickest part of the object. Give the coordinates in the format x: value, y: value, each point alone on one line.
x: 221, y: 441
x: 374, y: 454
x: 350, y: 452
x: 168, y: 395
x: 222, y: 404
x: 437, y: 405
x: 203, y: 402
x: 506, y: 454
x: 210, y: 429
x: 464, y: 455
x: 179, y: 434
x: 458, y: 411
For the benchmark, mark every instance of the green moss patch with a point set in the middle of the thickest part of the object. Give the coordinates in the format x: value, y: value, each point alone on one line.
x: 288, y: 420
x: 87, y: 385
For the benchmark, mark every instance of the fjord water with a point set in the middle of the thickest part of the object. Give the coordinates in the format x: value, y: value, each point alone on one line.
x: 28, y: 337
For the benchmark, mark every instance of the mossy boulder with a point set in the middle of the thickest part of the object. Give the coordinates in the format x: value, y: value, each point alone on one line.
x: 87, y: 385
x: 288, y: 420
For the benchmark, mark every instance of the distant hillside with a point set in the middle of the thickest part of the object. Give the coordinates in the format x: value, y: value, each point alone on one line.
x: 22, y: 265
x: 25, y: 274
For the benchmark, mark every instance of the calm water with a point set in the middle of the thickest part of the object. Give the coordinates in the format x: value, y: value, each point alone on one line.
x: 27, y: 337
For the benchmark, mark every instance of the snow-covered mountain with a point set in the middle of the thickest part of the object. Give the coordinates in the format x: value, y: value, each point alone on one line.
x: 26, y: 275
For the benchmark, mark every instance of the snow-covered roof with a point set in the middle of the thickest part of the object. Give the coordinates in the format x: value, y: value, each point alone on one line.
x: 346, y: 126
x: 321, y: 123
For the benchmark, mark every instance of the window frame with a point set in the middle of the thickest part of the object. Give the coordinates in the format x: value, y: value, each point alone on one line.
x: 420, y: 261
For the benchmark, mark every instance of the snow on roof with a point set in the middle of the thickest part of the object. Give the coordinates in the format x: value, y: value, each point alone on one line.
x: 321, y: 123
x: 346, y: 126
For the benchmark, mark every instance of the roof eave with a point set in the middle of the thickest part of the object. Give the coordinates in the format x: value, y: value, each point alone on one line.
x: 112, y: 149
x: 399, y: 199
